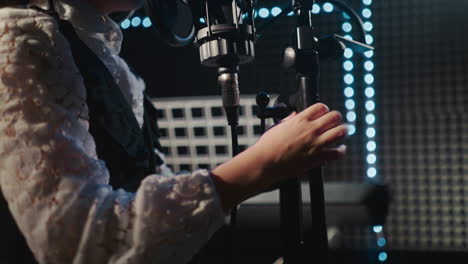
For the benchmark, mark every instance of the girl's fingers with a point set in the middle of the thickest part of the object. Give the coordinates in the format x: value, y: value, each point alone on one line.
x: 327, y: 121
x: 315, y: 111
x: 332, y: 136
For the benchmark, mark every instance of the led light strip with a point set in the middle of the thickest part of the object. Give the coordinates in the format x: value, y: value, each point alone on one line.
x: 381, y: 243
x: 263, y: 13
x: 136, y: 21
x: 369, y: 92
x: 348, y: 79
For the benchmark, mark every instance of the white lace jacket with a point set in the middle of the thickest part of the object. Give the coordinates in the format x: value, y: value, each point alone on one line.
x: 56, y: 186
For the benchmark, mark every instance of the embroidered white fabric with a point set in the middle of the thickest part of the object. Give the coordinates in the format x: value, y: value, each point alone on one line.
x: 56, y: 186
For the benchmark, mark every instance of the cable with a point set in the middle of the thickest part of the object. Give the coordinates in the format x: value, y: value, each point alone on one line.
x: 354, y: 16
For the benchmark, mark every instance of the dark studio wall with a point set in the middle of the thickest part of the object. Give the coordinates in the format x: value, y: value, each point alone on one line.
x: 423, y: 90
x: 421, y: 60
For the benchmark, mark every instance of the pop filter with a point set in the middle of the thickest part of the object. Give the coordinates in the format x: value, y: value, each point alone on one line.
x: 172, y: 20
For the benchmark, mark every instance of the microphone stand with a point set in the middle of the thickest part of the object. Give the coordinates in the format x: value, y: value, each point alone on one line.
x: 304, y: 57
x: 308, y: 74
x: 228, y: 81
x: 226, y: 44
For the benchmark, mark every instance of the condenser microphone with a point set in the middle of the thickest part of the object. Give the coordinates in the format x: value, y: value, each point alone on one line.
x: 224, y: 33
x: 222, y: 30
x: 226, y: 41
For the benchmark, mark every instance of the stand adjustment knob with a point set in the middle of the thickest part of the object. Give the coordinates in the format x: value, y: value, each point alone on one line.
x: 263, y: 99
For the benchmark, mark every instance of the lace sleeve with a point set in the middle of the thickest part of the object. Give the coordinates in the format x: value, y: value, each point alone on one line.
x: 57, y: 189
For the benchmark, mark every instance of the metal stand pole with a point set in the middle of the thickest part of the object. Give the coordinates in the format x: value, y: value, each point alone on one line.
x: 308, y: 74
x: 304, y: 58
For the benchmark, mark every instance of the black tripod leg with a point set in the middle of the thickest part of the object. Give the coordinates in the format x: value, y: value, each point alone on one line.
x: 316, y: 238
x: 291, y: 220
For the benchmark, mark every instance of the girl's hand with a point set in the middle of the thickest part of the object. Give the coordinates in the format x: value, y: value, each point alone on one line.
x: 291, y: 148
x: 302, y: 141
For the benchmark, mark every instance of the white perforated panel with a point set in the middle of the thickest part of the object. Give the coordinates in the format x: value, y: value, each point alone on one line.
x: 195, y: 133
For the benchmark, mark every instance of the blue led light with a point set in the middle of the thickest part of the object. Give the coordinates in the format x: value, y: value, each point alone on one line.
x: 371, y: 146
x: 369, y: 65
x: 327, y: 7
x: 146, y: 22
x: 348, y: 37
x: 202, y: 20
x: 348, y: 53
x: 125, y: 24
x: 366, y: 12
x: 350, y: 104
x: 371, y: 172
x: 347, y: 27
x: 348, y: 65
x: 370, y: 119
x: 348, y: 78
x: 136, y: 21
x: 371, y: 158
x: 263, y: 12
x: 377, y: 228
x: 367, y: 2
x: 369, y: 54
x: 315, y: 9
x: 369, y: 92
x: 383, y: 256
x: 369, y: 39
x: 370, y: 132
x: 351, y: 129
x: 349, y: 92
x: 291, y: 13
x: 369, y: 78
x: 368, y: 26
x: 370, y: 105
x: 381, y: 242
x: 275, y: 11
x: 351, y: 116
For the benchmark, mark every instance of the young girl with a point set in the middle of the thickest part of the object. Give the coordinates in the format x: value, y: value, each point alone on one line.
x: 56, y: 183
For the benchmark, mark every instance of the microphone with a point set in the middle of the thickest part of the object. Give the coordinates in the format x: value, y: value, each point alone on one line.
x: 225, y: 39
x: 224, y: 33
x: 228, y: 34
x: 225, y: 36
